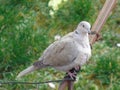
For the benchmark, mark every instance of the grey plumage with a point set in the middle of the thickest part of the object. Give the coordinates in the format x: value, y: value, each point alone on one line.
x: 69, y: 51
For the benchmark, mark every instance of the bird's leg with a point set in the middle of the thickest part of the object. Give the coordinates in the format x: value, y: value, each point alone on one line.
x: 71, y: 74
x: 77, y: 68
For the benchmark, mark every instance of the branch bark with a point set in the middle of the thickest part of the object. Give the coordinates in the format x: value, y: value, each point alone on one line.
x: 66, y: 84
x: 102, y: 17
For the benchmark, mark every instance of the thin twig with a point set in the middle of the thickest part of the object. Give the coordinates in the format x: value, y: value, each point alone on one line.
x: 17, y: 82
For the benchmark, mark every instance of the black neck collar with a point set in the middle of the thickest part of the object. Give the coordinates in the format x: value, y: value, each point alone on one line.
x: 76, y: 32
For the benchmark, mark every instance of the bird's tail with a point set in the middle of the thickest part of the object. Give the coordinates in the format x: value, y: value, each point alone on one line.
x: 26, y: 71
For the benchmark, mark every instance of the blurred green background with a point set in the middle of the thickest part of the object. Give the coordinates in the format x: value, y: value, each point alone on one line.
x: 27, y: 27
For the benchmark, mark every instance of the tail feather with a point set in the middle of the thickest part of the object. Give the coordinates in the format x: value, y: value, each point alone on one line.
x: 26, y: 71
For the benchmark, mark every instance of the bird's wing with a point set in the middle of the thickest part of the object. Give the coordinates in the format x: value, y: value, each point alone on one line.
x: 60, y: 53
x: 81, y: 59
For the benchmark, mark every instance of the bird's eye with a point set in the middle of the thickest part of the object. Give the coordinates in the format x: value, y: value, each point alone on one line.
x: 83, y: 25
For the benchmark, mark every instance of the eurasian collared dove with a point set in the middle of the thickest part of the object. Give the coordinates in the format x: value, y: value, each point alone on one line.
x: 68, y: 52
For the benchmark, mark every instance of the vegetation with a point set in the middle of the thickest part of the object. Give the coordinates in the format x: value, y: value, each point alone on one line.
x: 27, y: 28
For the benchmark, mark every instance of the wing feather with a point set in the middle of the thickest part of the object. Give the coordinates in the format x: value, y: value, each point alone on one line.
x: 60, y: 53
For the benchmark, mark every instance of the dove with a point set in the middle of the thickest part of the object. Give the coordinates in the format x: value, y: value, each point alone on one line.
x: 70, y: 51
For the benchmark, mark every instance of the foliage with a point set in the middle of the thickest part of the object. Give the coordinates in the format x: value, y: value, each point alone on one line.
x: 72, y: 12
x: 107, y: 65
x: 27, y: 28
x: 104, y: 69
x: 20, y: 38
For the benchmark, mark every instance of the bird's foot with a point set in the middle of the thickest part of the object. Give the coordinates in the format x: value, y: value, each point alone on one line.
x: 71, y: 74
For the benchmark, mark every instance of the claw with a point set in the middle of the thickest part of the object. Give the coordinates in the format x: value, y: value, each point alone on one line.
x: 72, y: 75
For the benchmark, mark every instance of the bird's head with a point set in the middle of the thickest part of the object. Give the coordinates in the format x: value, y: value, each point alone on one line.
x: 84, y: 27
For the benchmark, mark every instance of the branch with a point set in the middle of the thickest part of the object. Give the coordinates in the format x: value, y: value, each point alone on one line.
x: 102, y: 17
x: 66, y: 83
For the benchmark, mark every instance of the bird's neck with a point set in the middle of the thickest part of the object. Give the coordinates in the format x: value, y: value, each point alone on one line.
x: 83, y: 37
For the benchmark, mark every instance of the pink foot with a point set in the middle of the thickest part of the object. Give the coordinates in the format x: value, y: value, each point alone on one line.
x: 72, y: 75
